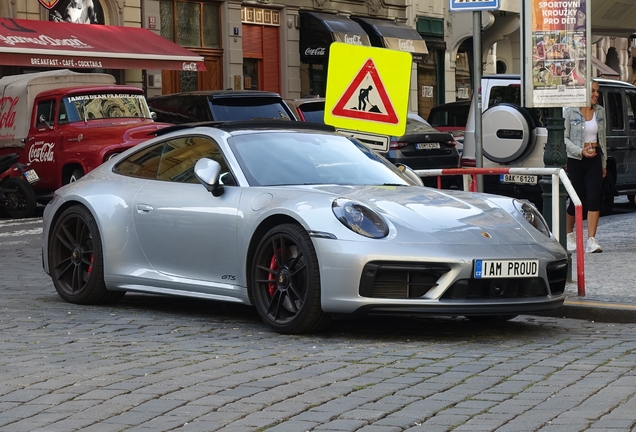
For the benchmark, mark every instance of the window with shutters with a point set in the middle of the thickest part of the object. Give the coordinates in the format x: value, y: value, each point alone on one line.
x: 261, y: 49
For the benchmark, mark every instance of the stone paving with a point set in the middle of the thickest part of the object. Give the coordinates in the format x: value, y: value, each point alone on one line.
x: 163, y: 364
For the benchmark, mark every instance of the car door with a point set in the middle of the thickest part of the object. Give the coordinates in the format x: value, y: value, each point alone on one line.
x: 616, y: 129
x: 43, y: 146
x: 183, y: 229
x: 630, y: 102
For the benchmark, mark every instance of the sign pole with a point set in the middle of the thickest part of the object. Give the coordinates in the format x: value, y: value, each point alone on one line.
x: 477, y: 66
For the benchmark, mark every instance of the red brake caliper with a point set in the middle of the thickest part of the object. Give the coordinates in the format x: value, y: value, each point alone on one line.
x: 273, y: 266
x: 90, y: 267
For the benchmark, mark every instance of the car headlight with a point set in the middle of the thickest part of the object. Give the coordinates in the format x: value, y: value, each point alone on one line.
x: 532, y: 215
x: 359, y: 218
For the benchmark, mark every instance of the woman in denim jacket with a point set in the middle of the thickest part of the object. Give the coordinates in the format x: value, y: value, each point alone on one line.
x: 587, y: 157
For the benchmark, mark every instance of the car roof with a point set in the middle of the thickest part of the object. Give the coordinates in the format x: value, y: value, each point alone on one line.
x: 220, y: 93
x: 250, y: 125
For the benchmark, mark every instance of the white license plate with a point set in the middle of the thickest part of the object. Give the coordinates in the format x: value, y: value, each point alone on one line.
x: 426, y: 146
x: 488, y: 269
x: 519, y: 178
x: 31, y: 176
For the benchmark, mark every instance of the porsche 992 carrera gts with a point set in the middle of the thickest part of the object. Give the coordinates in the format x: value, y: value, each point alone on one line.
x: 299, y: 221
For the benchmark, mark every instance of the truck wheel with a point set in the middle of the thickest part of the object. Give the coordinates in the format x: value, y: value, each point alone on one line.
x: 20, y: 201
x: 76, y: 175
x: 607, y: 195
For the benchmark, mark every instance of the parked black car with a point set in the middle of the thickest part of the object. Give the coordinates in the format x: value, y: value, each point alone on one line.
x: 219, y: 105
x: 424, y: 147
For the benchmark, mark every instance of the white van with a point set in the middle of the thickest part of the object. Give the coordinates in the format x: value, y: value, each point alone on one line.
x: 513, y: 136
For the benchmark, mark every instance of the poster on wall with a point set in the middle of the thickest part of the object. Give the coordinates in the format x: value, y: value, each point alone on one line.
x: 556, y: 38
x: 76, y: 11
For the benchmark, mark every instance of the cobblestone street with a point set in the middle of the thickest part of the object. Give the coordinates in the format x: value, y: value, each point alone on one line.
x: 162, y: 364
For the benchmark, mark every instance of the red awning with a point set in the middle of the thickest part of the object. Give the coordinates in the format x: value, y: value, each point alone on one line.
x: 88, y: 46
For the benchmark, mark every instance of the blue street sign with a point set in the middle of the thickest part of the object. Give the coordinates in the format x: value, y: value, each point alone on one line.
x: 472, y: 5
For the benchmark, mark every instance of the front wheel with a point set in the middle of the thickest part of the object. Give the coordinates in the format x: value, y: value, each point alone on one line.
x: 19, y: 198
x: 76, y: 260
x: 285, y: 281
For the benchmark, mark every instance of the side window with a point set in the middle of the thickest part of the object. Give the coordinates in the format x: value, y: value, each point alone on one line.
x: 630, y: 100
x: 45, y: 114
x: 504, y: 94
x: 143, y: 163
x: 614, y: 108
x: 181, y: 154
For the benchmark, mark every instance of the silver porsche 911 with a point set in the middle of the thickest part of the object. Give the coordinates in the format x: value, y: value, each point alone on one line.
x: 303, y: 223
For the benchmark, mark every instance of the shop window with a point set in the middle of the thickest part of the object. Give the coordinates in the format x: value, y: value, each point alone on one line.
x: 190, y: 24
x: 194, y: 25
x: 427, y: 84
x: 250, y: 73
x: 463, y: 84
x: 313, y: 79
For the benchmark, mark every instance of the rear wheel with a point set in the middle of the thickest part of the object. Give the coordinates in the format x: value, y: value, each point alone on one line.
x: 285, y: 281
x: 76, y: 259
x: 19, y: 201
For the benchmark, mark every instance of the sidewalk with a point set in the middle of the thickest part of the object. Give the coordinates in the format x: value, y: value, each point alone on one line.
x: 610, y: 287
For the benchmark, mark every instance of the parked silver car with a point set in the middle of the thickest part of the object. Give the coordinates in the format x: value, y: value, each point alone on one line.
x: 302, y: 223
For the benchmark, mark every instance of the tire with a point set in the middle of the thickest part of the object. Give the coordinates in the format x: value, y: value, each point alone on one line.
x: 20, y: 202
x: 76, y: 259
x: 76, y: 175
x: 607, y: 195
x: 285, y: 281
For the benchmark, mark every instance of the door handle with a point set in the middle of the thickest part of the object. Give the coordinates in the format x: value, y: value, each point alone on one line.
x: 144, y: 208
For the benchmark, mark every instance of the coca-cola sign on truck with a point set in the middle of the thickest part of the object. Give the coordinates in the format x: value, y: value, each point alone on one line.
x: 7, y: 111
x: 41, y: 152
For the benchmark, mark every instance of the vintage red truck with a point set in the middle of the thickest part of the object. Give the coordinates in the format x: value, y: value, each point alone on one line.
x: 64, y: 124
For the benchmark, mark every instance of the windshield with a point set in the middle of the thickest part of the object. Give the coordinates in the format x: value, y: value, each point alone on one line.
x: 297, y: 158
x: 103, y: 106
x: 248, y: 108
x: 313, y: 112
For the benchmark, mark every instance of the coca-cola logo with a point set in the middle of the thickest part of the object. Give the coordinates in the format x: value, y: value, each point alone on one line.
x: 7, y: 111
x: 406, y: 45
x: 321, y: 51
x: 353, y: 39
x: 41, y: 152
x: 189, y: 66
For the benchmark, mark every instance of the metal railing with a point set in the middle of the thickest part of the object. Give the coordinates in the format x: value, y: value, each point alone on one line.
x: 558, y: 175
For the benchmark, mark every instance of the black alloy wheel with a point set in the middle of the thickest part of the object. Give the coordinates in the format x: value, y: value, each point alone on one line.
x: 19, y: 198
x: 285, y: 281
x: 76, y: 259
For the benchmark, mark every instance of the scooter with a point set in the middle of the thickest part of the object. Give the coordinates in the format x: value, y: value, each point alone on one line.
x: 17, y: 198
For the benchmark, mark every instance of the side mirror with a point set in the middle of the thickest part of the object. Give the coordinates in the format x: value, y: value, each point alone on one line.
x: 208, y: 173
x: 410, y: 174
x: 153, y: 115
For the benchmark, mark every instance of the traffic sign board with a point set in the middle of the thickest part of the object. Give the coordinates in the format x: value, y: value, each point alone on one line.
x: 368, y: 89
x: 472, y: 5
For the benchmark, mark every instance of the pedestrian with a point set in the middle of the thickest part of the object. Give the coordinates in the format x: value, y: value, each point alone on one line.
x: 586, y: 165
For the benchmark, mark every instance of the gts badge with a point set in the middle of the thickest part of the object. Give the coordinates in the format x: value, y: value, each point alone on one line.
x: 228, y: 277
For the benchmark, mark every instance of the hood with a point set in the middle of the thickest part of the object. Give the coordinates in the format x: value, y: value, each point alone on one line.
x: 450, y: 217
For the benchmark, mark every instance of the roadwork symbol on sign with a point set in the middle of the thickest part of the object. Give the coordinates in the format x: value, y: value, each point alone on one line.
x: 358, y: 101
x: 368, y: 89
